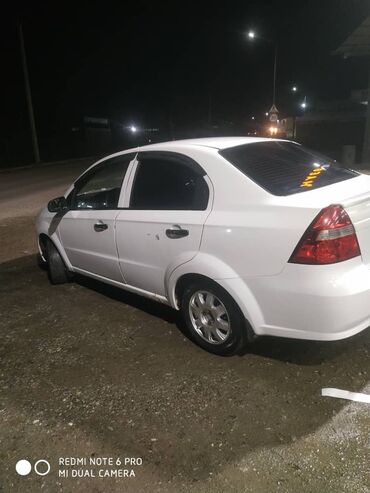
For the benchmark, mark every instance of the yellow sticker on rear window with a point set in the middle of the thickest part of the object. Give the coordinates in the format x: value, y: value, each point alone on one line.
x: 311, y: 177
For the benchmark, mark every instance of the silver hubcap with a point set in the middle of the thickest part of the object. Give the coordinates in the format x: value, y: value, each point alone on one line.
x: 209, y: 317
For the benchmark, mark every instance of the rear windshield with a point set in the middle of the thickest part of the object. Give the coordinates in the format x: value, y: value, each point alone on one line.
x: 284, y: 168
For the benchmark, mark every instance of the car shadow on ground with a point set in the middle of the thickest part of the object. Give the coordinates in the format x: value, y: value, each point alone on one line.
x: 295, y: 351
x: 112, y: 360
x: 140, y: 302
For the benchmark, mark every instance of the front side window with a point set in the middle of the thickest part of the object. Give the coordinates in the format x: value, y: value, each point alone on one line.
x: 101, y: 187
x: 165, y: 182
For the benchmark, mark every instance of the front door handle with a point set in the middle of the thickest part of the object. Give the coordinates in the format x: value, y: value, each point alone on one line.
x: 177, y: 232
x: 100, y: 226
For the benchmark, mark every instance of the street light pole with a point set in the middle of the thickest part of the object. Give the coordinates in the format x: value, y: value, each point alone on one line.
x: 35, y: 144
x: 252, y: 35
x: 303, y: 106
x: 275, y: 66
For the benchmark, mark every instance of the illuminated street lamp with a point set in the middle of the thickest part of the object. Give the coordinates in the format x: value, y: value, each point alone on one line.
x: 303, y: 105
x: 133, y: 129
x: 251, y: 35
x: 294, y: 88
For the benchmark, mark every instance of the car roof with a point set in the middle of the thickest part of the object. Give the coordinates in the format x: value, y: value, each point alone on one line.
x: 212, y: 142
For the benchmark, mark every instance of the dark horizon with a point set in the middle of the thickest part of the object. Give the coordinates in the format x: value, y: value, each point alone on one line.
x: 157, y: 65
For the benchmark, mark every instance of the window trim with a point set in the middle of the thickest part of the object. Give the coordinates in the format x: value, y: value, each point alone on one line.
x: 82, y: 179
x: 184, y: 159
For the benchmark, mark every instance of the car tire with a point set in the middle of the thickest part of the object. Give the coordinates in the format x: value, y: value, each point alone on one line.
x: 213, y: 319
x: 41, y: 262
x: 57, y: 270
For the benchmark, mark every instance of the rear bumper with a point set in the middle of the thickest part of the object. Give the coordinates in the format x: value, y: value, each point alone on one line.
x: 323, y: 303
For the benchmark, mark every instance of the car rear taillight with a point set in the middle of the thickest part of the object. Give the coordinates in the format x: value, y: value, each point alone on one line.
x: 329, y: 239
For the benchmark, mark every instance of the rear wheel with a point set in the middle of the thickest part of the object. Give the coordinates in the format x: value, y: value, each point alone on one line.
x: 58, y: 272
x: 213, y: 319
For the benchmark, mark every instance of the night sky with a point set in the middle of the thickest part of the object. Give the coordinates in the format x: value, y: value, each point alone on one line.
x: 145, y: 62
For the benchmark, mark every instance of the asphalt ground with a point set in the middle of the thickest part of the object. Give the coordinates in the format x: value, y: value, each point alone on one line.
x: 91, y: 372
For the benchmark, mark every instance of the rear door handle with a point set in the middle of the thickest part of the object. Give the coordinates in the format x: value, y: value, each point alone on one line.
x: 177, y: 232
x: 100, y: 226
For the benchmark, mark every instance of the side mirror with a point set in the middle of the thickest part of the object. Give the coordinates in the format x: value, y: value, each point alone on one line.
x: 58, y: 205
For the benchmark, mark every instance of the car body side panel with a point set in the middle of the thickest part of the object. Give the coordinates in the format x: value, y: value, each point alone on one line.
x: 87, y: 249
x: 145, y: 252
x: 255, y: 240
x: 47, y: 224
x: 359, y: 212
x: 320, y: 302
x: 214, y: 268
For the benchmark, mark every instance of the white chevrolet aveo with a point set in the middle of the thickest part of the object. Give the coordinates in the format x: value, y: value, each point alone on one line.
x: 246, y: 236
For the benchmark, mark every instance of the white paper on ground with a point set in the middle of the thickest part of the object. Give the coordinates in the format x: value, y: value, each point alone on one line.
x: 345, y: 394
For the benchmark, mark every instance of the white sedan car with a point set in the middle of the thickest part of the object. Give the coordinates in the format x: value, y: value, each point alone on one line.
x: 246, y: 236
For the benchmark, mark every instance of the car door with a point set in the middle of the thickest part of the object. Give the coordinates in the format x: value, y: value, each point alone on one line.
x: 87, y: 229
x: 162, y: 226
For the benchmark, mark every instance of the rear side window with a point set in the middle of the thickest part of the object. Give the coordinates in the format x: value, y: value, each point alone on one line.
x: 168, y: 182
x: 284, y: 168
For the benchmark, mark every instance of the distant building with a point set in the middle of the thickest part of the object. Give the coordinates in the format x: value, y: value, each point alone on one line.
x: 358, y: 45
x: 335, y: 128
x: 97, y: 134
x: 340, y: 129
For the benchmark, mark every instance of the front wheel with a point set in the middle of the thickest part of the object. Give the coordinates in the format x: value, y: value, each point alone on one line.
x: 214, y: 320
x: 57, y: 271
